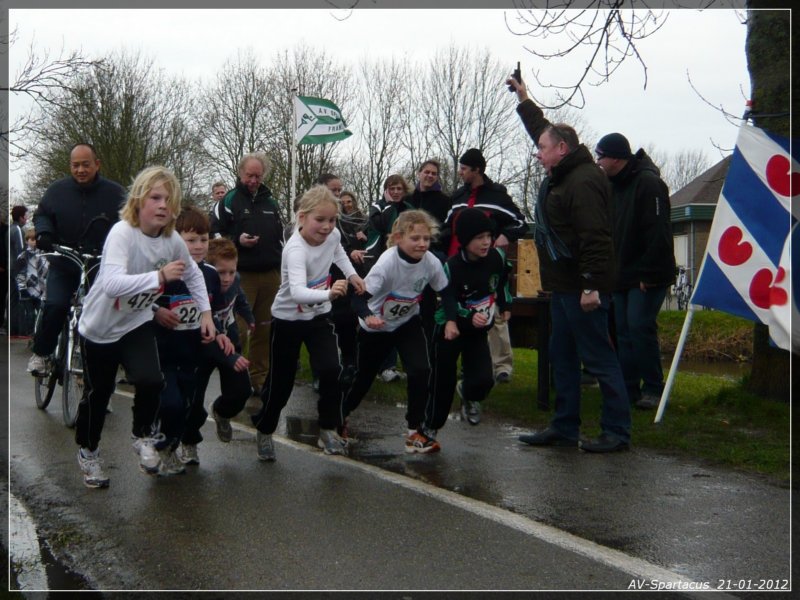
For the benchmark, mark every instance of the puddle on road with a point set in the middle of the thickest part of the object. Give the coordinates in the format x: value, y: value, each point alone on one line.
x: 59, y: 577
x: 369, y: 448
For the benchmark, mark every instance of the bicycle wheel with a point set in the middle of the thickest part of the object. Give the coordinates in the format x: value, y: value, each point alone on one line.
x: 72, y: 384
x: 45, y: 386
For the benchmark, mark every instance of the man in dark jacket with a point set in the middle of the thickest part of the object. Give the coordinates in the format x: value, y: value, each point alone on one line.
x: 645, y: 263
x: 77, y: 212
x: 249, y: 216
x: 576, y: 258
x: 508, y: 225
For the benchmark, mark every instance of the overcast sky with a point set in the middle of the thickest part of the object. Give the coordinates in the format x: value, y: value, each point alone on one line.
x: 708, y: 45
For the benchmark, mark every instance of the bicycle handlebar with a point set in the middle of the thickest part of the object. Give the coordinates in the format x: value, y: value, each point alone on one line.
x: 78, y: 258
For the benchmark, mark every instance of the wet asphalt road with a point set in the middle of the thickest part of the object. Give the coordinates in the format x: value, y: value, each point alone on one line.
x: 485, y: 514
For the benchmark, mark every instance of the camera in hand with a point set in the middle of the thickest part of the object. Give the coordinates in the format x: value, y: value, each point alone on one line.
x: 517, y: 74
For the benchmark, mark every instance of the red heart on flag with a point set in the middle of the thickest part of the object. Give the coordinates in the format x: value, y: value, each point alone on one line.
x: 763, y: 294
x: 778, y: 176
x: 732, y: 251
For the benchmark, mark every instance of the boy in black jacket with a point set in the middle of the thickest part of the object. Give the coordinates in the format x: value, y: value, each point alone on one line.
x: 478, y: 275
x: 179, y: 346
x: 234, y: 378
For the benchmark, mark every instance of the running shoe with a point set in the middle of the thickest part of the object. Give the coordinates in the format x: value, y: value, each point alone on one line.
x: 187, y: 454
x: 170, y: 463
x: 90, y: 464
x: 266, y: 448
x: 145, y: 448
x: 224, y: 429
x: 331, y: 443
x: 420, y: 443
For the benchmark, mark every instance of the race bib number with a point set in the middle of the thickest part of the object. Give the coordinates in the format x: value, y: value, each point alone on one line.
x: 187, y: 312
x: 137, y: 302
x: 397, y: 307
x: 484, y: 306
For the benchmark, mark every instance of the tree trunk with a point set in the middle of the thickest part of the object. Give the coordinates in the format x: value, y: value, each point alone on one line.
x: 768, y: 55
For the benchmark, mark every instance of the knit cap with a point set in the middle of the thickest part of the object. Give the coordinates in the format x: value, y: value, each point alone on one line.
x: 471, y: 222
x: 473, y: 158
x: 613, y: 145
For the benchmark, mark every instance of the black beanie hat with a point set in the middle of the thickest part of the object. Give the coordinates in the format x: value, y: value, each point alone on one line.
x: 613, y: 145
x: 471, y: 222
x: 473, y: 158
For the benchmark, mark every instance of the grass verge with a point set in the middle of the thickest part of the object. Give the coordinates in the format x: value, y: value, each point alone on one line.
x: 708, y: 417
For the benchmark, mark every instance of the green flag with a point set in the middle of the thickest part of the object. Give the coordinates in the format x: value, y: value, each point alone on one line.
x: 318, y: 121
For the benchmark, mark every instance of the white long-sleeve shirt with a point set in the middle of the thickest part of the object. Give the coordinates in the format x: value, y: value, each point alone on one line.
x: 305, y: 277
x: 127, y: 284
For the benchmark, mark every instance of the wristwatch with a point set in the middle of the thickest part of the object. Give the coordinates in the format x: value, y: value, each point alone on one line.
x: 587, y: 292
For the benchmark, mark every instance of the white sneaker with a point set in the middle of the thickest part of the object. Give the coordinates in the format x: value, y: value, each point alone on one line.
x: 145, y: 448
x: 265, y: 446
x: 187, y: 454
x: 330, y: 442
x: 170, y: 464
x: 37, y: 365
x: 90, y: 464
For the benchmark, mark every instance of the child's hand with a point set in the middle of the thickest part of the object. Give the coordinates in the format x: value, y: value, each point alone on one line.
x: 451, y: 331
x: 506, y: 314
x: 251, y: 327
x: 338, y: 289
x: 241, y: 364
x: 358, y: 284
x: 357, y: 256
x: 207, y: 329
x: 479, y: 320
x: 166, y: 318
x: 174, y: 270
x: 374, y: 322
x: 225, y: 344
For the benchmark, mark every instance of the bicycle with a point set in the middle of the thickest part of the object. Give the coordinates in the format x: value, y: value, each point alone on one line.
x: 65, y: 365
x: 682, y: 288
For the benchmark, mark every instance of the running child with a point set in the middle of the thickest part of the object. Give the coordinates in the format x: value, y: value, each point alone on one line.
x: 235, y: 387
x: 389, y: 317
x: 300, y: 316
x: 142, y: 253
x: 180, y: 349
x: 478, y: 274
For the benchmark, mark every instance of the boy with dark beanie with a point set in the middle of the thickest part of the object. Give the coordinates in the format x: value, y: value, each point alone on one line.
x: 509, y: 224
x: 478, y: 275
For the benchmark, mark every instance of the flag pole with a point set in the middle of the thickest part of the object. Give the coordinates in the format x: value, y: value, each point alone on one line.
x: 293, y: 129
x: 673, y: 369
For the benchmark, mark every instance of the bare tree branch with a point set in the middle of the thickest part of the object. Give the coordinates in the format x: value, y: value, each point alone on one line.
x: 604, y: 32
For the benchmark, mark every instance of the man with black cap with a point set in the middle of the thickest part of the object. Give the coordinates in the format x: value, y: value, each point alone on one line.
x: 509, y: 225
x: 576, y: 264
x: 645, y: 263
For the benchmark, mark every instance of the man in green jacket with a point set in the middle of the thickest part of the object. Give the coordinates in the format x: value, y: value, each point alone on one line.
x: 645, y: 263
x: 576, y: 264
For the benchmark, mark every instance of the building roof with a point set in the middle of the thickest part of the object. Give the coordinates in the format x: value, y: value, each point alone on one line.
x: 705, y: 188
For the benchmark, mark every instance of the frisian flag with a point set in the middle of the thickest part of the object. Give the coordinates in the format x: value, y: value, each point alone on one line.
x: 746, y: 269
x: 318, y: 121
